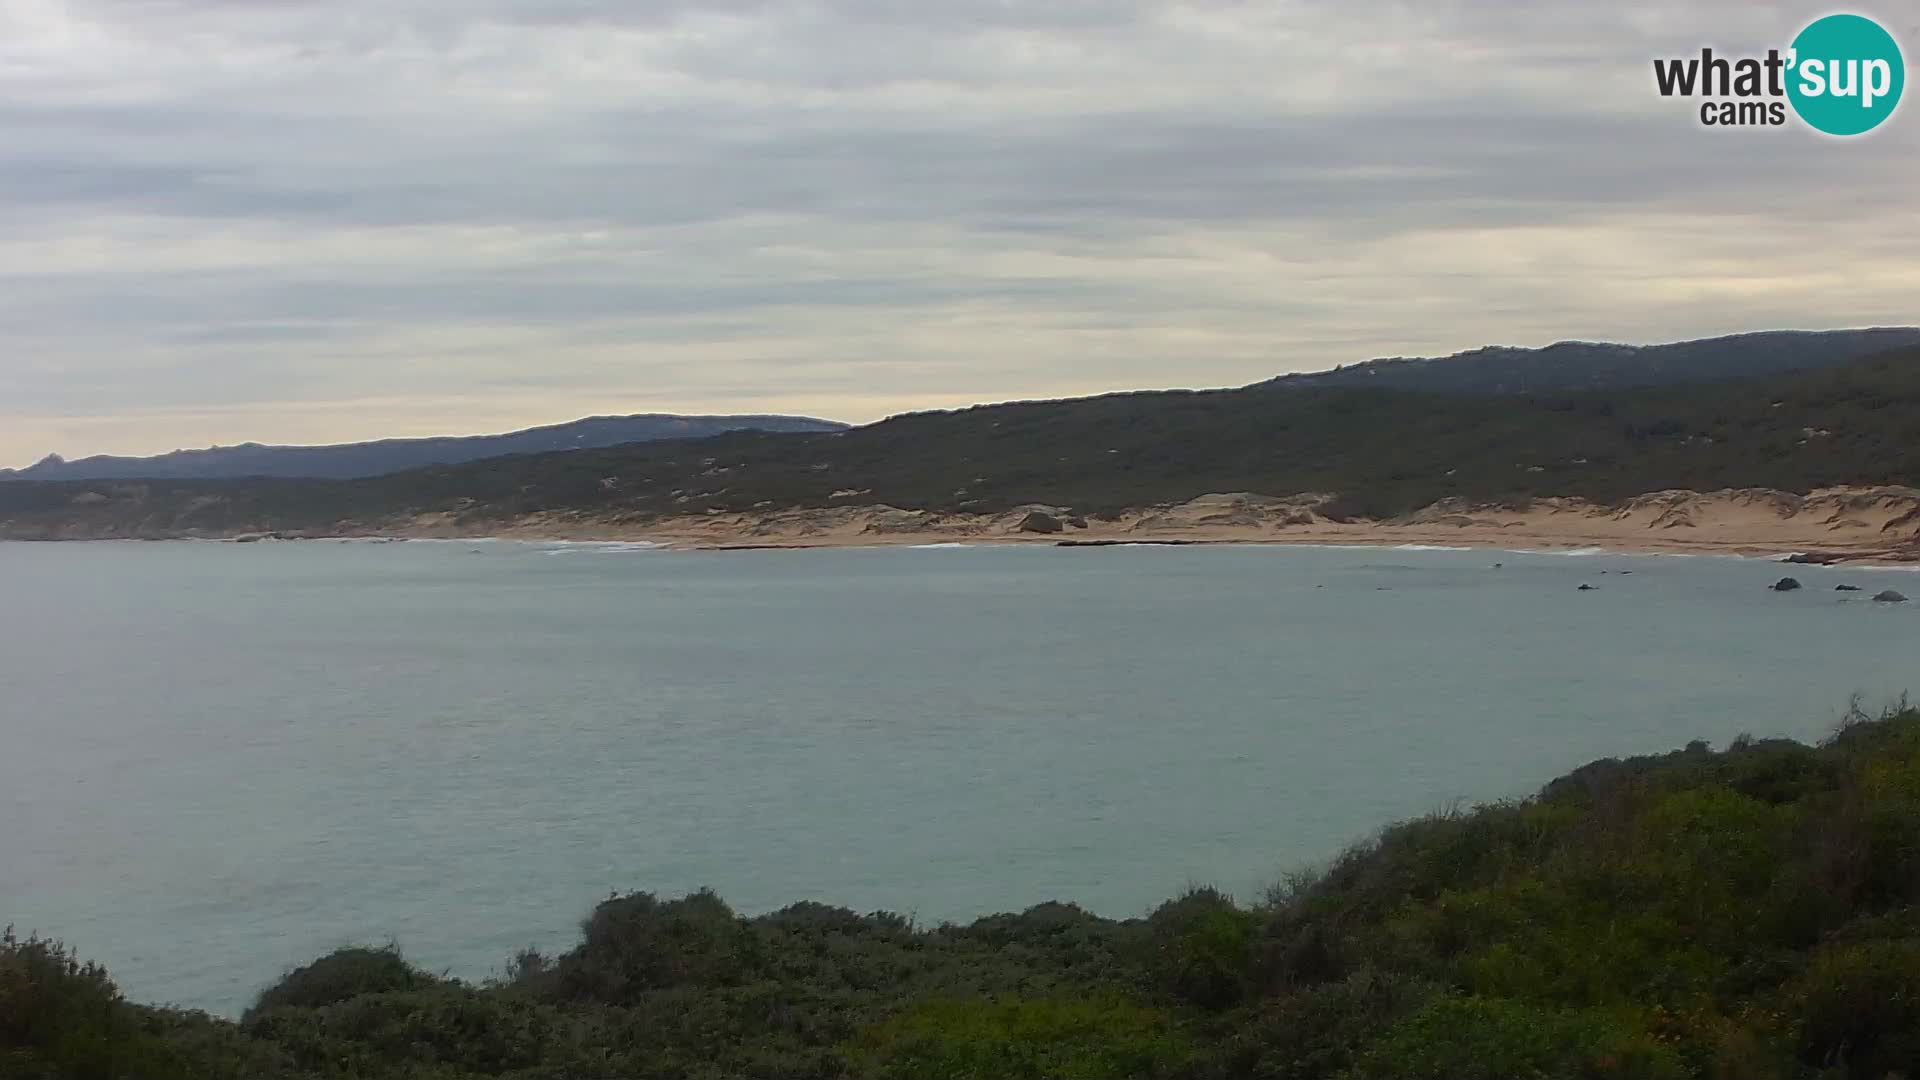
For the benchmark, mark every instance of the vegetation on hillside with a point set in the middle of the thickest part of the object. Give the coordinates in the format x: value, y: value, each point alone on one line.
x: 1587, y: 365
x: 345, y: 460
x: 1383, y: 452
x: 1752, y: 913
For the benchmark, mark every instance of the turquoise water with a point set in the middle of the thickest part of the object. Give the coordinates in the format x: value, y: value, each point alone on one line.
x: 218, y: 760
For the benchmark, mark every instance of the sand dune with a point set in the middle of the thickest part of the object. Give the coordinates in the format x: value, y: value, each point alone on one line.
x: 1881, y: 524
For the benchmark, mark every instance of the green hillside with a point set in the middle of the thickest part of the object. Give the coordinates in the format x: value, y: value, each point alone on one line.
x: 1384, y: 451
x: 1588, y: 365
x: 1752, y: 913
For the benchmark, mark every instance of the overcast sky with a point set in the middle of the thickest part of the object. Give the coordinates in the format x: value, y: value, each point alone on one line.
x: 326, y: 220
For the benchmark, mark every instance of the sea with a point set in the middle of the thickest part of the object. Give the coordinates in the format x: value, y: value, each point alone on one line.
x: 221, y: 760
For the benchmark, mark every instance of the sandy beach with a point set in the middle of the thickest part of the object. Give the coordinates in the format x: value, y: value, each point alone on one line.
x: 1840, y: 524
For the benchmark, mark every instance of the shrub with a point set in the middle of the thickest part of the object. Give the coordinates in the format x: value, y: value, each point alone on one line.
x: 1469, y: 1038
x: 637, y: 943
x: 1003, y: 1038
x: 61, y: 1019
x: 1316, y: 1032
x: 1203, y: 948
x: 342, y: 975
x: 810, y: 917
x: 1858, y: 1008
x: 457, y: 1027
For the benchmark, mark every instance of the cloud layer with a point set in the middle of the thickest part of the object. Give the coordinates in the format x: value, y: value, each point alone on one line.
x: 296, y: 220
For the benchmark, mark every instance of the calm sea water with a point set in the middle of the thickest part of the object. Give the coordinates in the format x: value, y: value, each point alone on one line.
x: 217, y: 760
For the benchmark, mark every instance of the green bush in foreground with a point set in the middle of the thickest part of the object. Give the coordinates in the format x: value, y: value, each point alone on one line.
x: 993, y: 1037
x: 1750, y: 914
x: 1476, y: 1038
x: 342, y: 976
x: 59, y: 1017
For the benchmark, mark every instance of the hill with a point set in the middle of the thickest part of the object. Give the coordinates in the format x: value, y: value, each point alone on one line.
x: 1750, y: 913
x: 1494, y: 370
x: 1585, y: 365
x: 349, y: 460
x: 1382, y: 452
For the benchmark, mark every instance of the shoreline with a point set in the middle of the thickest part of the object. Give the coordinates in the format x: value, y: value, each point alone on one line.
x: 1760, y: 553
x: 1840, y: 525
x: 1854, y: 526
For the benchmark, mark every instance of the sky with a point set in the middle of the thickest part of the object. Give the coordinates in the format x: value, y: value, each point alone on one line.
x: 308, y: 221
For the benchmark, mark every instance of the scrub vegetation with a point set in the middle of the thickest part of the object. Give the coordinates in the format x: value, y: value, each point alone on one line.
x: 1751, y: 913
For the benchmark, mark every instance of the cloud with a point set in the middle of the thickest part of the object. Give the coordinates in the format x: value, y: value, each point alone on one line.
x: 233, y: 219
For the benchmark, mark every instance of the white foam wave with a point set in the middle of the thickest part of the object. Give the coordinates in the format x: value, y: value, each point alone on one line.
x: 596, y: 547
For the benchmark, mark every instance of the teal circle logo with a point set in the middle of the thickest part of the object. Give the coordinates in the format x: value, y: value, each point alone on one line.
x: 1846, y: 74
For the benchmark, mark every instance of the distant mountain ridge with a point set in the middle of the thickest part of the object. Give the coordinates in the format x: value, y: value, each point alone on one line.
x: 354, y: 460
x: 1589, y: 365
x: 1492, y: 371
